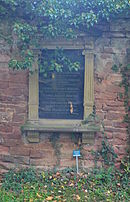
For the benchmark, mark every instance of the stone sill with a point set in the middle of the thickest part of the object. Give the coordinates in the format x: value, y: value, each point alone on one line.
x: 33, y: 130
x: 75, y: 126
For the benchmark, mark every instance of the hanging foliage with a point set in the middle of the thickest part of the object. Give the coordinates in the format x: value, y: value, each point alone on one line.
x: 29, y: 19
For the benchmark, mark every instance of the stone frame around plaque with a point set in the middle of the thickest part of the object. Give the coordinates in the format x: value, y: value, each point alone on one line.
x: 87, y: 50
x: 37, y: 125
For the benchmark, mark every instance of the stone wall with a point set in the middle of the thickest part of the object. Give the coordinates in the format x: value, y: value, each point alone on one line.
x: 111, y: 45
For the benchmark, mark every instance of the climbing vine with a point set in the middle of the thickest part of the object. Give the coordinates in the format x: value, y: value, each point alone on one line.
x: 125, y: 83
x: 58, y: 61
x: 54, y: 139
x: 30, y: 21
x: 106, y: 153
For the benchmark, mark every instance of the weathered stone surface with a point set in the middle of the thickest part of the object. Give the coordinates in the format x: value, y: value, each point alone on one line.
x: 14, y: 159
x: 4, y: 149
x: 41, y: 153
x: 8, y: 141
x: 20, y: 150
x: 69, y: 162
x: 110, y: 47
x: 87, y: 164
x: 4, y: 58
x: 33, y: 137
x: 120, y: 25
x: 6, y: 116
x: 51, y: 161
x: 120, y: 135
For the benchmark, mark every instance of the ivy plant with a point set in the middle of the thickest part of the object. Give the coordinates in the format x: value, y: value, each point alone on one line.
x: 57, y: 61
x: 29, y: 21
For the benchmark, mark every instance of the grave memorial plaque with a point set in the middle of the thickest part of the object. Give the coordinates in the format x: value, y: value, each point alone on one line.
x: 61, y: 93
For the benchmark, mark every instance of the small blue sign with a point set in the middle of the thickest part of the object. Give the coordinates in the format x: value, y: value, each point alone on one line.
x: 76, y: 152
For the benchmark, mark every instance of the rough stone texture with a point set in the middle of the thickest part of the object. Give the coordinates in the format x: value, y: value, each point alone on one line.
x: 110, y: 48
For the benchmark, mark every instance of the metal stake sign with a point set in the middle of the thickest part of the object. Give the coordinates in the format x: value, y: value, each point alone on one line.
x: 76, y: 153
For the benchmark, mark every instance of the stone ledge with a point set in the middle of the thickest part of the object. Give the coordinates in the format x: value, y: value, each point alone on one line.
x: 77, y: 128
x: 33, y: 129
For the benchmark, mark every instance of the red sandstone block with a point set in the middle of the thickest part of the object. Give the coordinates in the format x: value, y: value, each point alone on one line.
x: 99, y: 105
x: 20, y: 150
x: 18, y: 124
x: 4, y: 76
x: 116, y: 77
x: 2, y: 171
x: 4, y: 58
x: 67, y: 162
x: 2, y: 109
x: 100, y: 88
x: 20, y: 118
x: 89, y: 148
x: 111, y: 108
x: 114, y: 123
x: 112, y: 129
x: 114, y: 89
x: 4, y: 66
x: 66, y: 155
x: 107, y: 123
x: 16, y: 132
x: 119, y: 124
x: 21, y: 109
x: 4, y: 149
x: 67, y: 146
x: 98, y: 143
x: 11, y: 135
x: 106, y: 96
x: 115, y: 116
x: 12, y: 142
x: 6, y: 128
x: 22, y: 160
x: 43, y: 161
x: 45, y: 145
x: 119, y: 149
x: 4, y: 84
x: 87, y: 155
x: 18, y: 77
x: 121, y: 136
x: 5, y: 99
x: 115, y: 103
x: 6, y: 117
x: 22, y: 99
x: 14, y: 92
x: 13, y: 84
x: 88, y: 164
x: 14, y: 159
x: 117, y: 141
x: 23, y: 73
x: 41, y: 153
x: 65, y: 151
x: 6, y: 165
x: 101, y: 114
x: 1, y: 139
